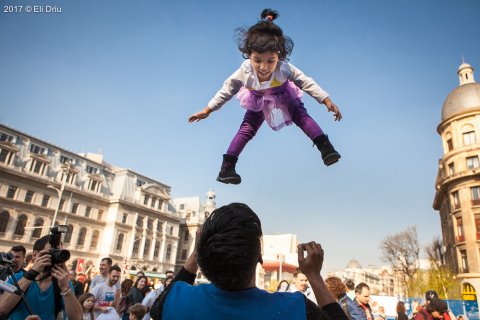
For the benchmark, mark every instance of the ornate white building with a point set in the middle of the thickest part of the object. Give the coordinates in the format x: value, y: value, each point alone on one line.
x: 457, y: 187
x: 110, y: 211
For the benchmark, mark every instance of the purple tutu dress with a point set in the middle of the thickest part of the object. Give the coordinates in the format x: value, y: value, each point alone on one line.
x: 277, y: 103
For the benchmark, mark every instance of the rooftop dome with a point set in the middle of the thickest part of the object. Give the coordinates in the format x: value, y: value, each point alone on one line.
x: 354, y: 264
x: 465, y: 97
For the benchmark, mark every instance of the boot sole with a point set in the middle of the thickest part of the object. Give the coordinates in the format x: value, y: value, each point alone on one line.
x: 331, y: 158
x: 229, y: 180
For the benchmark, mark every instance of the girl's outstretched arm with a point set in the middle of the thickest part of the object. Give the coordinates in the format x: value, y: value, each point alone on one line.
x: 332, y: 107
x: 200, y: 115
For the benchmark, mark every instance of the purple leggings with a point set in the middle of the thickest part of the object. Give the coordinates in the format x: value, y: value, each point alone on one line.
x: 252, y: 121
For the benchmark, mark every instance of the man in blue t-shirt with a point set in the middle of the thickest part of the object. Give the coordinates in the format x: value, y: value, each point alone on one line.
x: 40, y: 291
x: 228, y: 251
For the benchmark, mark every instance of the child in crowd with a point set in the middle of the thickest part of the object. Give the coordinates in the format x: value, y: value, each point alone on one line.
x: 86, y: 301
x: 137, y: 311
x: 269, y: 88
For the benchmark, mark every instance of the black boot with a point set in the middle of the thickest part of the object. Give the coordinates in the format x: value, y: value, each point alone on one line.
x: 227, y: 171
x: 329, y: 155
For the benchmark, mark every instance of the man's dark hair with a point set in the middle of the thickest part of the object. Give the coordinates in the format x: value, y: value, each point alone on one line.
x: 431, y: 294
x: 40, y: 244
x: 115, y: 267
x: 350, y: 284
x: 229, y: 247
x: 19, y: 248
x: 360, y: 286
x: 297, y: 272
x: 109, y: 260
x: 438, y: 305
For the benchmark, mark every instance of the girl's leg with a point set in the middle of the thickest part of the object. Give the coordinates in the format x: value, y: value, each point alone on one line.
x: 249, y: 127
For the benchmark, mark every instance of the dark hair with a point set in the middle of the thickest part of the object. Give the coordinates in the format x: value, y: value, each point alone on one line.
x: 140, y: 278
x: 360, y: 286
x: 438, y: 305
x: 350, y: 284
x: 280, y: 284
x: 229, y: 247
x: 127, y: 284
x: 115, y: 267
x: 401, y: 307
x: 19, y: 248
x: 297, y: 272
x: 264, y: 36
x: 336, y: 287
x: 431, y: 294
x: 82, y: 299
x: 40, y: 244
x: 109, y: 260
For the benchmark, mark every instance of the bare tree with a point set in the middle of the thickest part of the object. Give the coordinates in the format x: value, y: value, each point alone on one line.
x: 441, y: 276
x: 402, y: 251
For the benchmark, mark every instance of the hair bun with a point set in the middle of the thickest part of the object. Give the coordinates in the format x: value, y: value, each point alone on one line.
x: 269, y: 15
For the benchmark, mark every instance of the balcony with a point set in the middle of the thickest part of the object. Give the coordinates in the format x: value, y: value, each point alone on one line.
x: 461, y: 238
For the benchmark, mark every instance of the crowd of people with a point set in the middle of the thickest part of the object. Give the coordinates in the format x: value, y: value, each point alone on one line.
x: 227, y: 251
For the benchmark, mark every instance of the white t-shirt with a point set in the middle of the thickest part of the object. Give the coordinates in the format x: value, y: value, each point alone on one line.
x: 100, y: 279
x: 104, y: 296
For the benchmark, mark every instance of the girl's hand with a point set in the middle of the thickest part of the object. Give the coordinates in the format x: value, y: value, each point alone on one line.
x: 332, y: 107
x: 200, y: 115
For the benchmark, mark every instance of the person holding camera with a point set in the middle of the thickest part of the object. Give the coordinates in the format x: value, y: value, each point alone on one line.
x: 228, y: 251
x: 46, y: 286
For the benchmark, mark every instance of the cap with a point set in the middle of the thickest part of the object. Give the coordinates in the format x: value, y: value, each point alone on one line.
x: 437, y: 305
x: 431, y: 294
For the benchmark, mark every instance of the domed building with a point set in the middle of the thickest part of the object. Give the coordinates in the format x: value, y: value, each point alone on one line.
x: 457, y: 196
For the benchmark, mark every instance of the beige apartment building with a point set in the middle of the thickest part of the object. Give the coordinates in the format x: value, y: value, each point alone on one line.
x: 110, y: 211
x: 457, y: 196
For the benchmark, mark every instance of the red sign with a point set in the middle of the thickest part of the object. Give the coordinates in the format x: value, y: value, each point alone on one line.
x: 80, y: 266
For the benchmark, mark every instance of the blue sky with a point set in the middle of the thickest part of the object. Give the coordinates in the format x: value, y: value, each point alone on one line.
x: 121, y: 78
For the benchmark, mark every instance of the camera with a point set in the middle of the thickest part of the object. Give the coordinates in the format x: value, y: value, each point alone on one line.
x: 58, y: 255
x: 6, y: 259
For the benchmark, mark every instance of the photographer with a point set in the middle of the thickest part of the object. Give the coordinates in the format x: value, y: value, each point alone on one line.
x: 46, y: 288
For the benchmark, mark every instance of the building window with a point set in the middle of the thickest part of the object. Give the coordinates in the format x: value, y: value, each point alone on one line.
x: 94, y: 242
x: 136, y: 247
x: 6, y: 156
x: 62, y: 203
x: 472, y: 162
x: 68, y: 235
x: 45, y: 200
x: 469, y: 138
x: 463, y: 254
x: 37, y: 149
x: 184, y: 254
x: 156, y: 249
x: 182, y: 206
x: 21, y: 223
x: 159, y: 226
x: 475, y: 191
x: 140, y: 183
x: 92, y: 170
x: 74, y: 208
x: 38, y: 166
x: 460, y: 235
x: 451, y: 169
x: 186, y: 236
x: 94, y: 185
x: 29, y: 196
x: 146, y: 249
x: 139, y: 221
x: 450, y: 144
x: 119, y: 242
x: 145, y: 199
x: 37, y: 231
x: 160, y: 204
x: 124, y: 218
x: 6, y: 137
x: 171, y: 231
x: 100, y: 215
x: 12, y: 190
x: 168, y: 255
x: 87, y: 211
x: 81, y: 236
x: 150, y: 224
x: 4, y: 218
x: 477, y: 226
x: 70, y: 177
x: 153, y: 202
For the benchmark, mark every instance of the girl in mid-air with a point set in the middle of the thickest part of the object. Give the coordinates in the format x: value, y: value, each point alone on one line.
x: 269, y: 88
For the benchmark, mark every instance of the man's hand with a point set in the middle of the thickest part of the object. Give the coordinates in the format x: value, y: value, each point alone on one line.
x: 311, y: 265
x: 60, y: 272
x: 42, y: 260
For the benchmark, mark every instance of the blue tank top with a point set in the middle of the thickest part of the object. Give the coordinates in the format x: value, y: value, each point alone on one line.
x: 206, y: 301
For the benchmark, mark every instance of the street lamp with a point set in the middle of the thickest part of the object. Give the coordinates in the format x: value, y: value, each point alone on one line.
x: 67, y: 170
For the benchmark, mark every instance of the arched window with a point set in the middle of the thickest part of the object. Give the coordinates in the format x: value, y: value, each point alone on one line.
x: 136, y: 247
x: 95, y: 236
x: 37, y: 232
x: 68, y: 235
x: 169, y: 253
x: 81, y: 236
x: 156, y: 249
x: 119, y: 242
x: 4, y: 218
x: 21, y: 223
x: 146, y: 249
